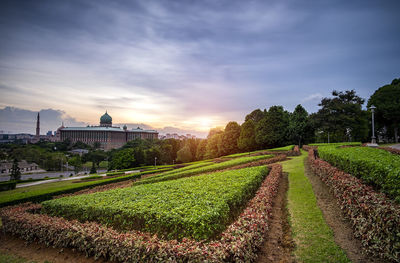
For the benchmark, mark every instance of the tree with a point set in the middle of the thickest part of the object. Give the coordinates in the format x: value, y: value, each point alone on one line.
x: 201, y: 149
x: 255, y: 115
x: 343, y: 117
x: 15, y: 171
x: 271, y: 130
x: 184, y: 154
x: 247, y: 138
x: 386, y: 99
x: 123, y: 159
x: 212, y: 146
x: 230, y: 138
x: 76, y: 162
x: 95, y: 156
x: 300, y: 128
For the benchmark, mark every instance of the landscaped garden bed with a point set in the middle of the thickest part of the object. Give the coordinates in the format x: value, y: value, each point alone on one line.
x: 375, y: 218
x: 375, y: 167
x: 204, y: 169
x: 239, y: 242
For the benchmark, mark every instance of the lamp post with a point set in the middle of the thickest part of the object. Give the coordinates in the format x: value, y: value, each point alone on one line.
x: 155, y: 161
x: 373, y: 139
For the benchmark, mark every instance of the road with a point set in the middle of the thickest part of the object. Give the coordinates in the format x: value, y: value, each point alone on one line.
x: 396, y: 146
x: 48, y: 174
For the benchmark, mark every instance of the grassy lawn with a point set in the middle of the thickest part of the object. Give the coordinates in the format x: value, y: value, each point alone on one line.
x: 8, y: 258
x: 313, y: 237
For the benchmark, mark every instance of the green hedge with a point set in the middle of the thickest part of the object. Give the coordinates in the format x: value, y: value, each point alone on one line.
x: 45, y: 194
x: 203, y: 169
x: 375, y: 167
x: 9, y: 185
x: 198, y: 207
x: 337, y: 144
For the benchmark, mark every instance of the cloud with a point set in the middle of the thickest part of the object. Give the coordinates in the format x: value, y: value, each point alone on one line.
x: 16, y: 120
x: 166, y: 63
x: 313, y: 97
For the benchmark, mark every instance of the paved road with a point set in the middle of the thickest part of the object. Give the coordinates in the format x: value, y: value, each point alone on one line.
x: 54, y: 180
x: 47, y: 174
x: 67, y: 178
x: 396, y: 146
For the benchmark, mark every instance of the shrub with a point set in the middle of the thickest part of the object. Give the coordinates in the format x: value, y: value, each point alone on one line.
x: 5, y: 186
x: 46, y: 194
x: 375, y: 167
x: 240, y: 242
x: 203, y: 169
x: 198, y: 207
x: 375, y: 218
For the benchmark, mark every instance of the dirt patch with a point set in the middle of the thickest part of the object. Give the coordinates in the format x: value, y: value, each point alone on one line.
x: 279, y: 245
x: 40, y: 253
x: 343, y: 233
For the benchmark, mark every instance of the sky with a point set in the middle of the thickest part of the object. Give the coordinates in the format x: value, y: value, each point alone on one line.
x: 186, y: 66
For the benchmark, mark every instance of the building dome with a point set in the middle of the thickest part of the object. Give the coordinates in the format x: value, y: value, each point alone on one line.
x: 105, y: 120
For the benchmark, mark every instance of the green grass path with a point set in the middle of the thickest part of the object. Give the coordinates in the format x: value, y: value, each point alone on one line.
x: 313, y: 237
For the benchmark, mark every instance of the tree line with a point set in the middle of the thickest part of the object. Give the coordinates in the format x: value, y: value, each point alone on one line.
x: 341, y: 117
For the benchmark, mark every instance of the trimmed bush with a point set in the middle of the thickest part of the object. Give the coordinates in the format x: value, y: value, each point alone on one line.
x: 240, y: 242
x: 4, y: 186
x: 198, y: 207
x: 46, y: 194
x: 375, y: 167
x: 375, y: 218
x: 203, y: 169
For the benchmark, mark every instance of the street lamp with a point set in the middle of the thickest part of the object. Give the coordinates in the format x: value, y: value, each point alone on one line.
x: 373, y: 139
x: 155, y: 161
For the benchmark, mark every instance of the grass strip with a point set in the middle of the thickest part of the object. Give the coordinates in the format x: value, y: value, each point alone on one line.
x: 204, y: 169
x: 44, y: 192
x: 314, y: 239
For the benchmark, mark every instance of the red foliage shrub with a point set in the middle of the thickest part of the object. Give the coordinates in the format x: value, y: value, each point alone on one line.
x: 391, y: 150
x: 238, y: 243
x: 374, y: 217
x: 308, y: 147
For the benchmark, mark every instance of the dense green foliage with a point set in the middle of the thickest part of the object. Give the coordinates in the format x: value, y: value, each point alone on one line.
x: 9, y: 185
x: 197, y: 207
x: 272, y: 129
x: 46, y: 191
x: 203, y: 169
x: 300, y: 127
x: 15, y: 171
x: 247, y: 138
x: 341, y: 118
x: 374, y: 166
x: 375, y: 219
x: 337, y: 144
x: 386, y: 99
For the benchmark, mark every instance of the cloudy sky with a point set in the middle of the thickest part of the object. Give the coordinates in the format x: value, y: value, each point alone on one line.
x: 190, y: 65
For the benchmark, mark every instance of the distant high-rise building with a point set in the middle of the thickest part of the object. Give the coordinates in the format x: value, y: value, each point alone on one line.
x: 38, y: 125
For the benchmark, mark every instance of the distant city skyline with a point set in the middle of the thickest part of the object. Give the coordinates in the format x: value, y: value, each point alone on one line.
x: 183, y: 66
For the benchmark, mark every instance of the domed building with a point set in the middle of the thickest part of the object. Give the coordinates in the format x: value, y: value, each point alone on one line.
x: 109, y: 137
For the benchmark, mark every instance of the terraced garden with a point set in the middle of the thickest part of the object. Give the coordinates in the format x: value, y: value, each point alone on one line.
x: 220, y: 210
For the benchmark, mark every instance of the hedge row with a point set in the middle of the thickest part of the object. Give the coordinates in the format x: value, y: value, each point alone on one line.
x: 9, y: 185
x: 204, y: 169
x: 240, y: 242
x: 197, y: 207
x: 375, y: 167
x: 391, y: 150
x: 375, y: 218
x: 46, y: 194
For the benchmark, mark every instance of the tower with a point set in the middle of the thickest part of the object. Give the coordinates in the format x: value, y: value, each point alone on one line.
x: 38, y: 125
